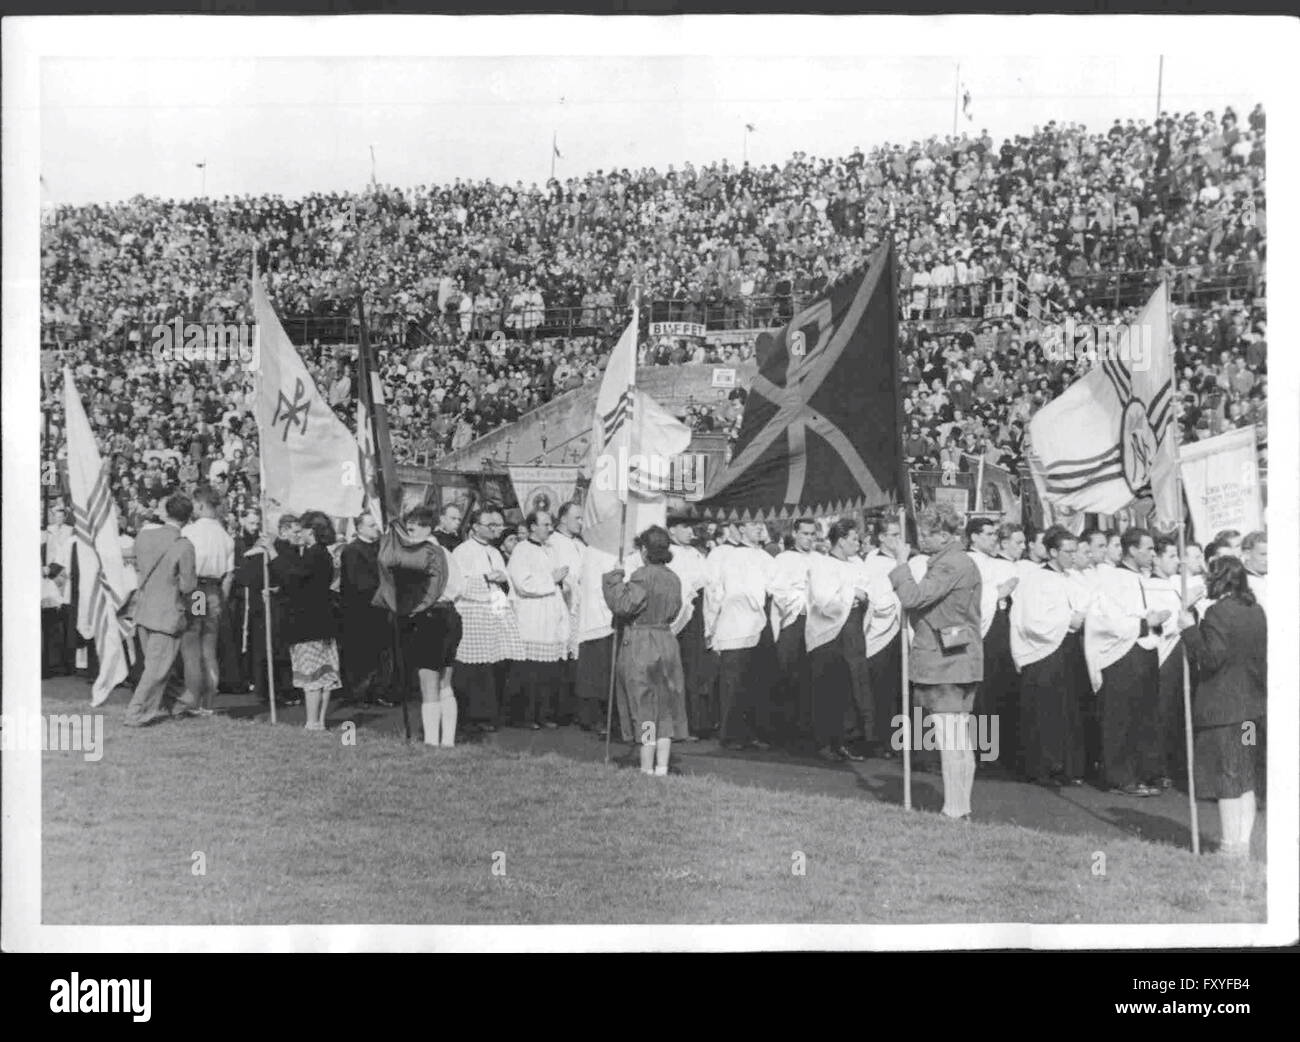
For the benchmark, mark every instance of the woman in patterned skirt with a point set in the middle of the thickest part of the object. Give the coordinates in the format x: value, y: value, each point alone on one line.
x: 304, y: 574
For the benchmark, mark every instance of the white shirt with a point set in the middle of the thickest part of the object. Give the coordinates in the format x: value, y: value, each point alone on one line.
x: 1040, y: 613
x: 789, y: 588
x: 994, y: 571
x: 739, y: 580
x: 539, y: 603
x: 473, y: 562
x: 833, y: 587
x: 884, y: 612
x: 1115, y: 619
x: 214, y: 549
x: 691, y: 568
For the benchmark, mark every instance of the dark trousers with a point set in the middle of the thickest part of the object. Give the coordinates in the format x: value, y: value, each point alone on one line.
x: 365, y: 652
x: 55, y: 658
x: 792, y: 692
x: 736, y: 689
x: 884, y: 671
x: 1128, y: 704
x: 534, y: 687
x: 1051, y: 726
x: 999, y: 693
x: 479, y: 687
x: 700, y: 671
x: 1172, y: 738
x: 832, y: 697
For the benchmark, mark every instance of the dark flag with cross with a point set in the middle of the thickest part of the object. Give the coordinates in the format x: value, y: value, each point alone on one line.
x: 309, y: 458
x: 821, y: 431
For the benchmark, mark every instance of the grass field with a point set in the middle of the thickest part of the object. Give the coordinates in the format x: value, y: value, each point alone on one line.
x: 292, y: 827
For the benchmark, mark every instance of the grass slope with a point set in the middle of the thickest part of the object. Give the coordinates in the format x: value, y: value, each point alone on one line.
x: 301, y: 828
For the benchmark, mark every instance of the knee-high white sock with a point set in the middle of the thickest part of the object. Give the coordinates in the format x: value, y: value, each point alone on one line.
x: 950, y: 767
x: 1246, y: 818
x: 662, y: 749
x: 449, y: 711
x: 647, y: 757
x: 1229, y: 819
x: 431, y: 717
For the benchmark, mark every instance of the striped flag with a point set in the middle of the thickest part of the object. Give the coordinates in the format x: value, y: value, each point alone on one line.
x: 103, y: 587
x: 632, y: 441
x: 1109, y: 439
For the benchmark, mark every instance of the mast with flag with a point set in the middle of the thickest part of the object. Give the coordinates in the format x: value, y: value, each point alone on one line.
x: 102, y: 577
x: 632, y: 441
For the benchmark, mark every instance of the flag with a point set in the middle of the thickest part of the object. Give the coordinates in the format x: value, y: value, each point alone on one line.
x: 821, y: 431
x: 381, y: 489
x: 556, y: 148
x: 1109, y: 438
x: 965, y: 104
x: 750, y: 127
x: 309, y: 458
x: 633, y: 440
x: 1221, y: 479
x: 102, y: 585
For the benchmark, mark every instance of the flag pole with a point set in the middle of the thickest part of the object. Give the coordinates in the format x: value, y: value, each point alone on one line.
x: 956, y: 98
x: 261, y: 497
x: 1194, y: 819
x: 907, y: 700
x: 622, y: 538
x: 365, y: 372
x: 266, y: 621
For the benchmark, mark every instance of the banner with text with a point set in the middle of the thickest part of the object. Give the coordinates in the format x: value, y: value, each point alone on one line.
x: 1221, y: 482
x: 544, y: 488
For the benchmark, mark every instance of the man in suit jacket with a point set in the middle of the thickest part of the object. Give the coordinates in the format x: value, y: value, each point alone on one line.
x: 947, y: 657
x: 165, y: 561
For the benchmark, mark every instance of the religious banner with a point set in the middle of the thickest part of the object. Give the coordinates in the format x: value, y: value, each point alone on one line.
x: 310, y: 459
x: 952, y: 495
x: 724, y: 377
x: 821, y: 429
x: 544, y: 488
x: 1221, y: 482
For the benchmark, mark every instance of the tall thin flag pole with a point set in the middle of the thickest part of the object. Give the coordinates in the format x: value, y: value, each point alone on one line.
x: 379, y: 438
x: 905, y: 486
x: 266, y: 557
x: 907, y: 694
x: 1182, y: 600
x: 956, y: 98
x: 622, y: 537
x: 554, y: 146
x: 1160, y: 83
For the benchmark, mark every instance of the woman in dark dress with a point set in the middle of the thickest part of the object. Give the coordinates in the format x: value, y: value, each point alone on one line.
x: 649, y: 660
x: 1230, y: 647
x: 304, y: 572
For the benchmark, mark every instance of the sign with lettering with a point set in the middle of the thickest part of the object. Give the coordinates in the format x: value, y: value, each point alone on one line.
x: 688, y: 329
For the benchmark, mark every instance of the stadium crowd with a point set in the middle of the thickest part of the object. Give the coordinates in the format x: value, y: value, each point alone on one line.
x: 994, y: 244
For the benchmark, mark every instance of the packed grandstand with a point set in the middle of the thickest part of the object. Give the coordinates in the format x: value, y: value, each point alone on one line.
x: 489, y: 300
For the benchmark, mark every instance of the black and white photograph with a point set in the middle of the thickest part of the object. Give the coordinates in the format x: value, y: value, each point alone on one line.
x: 757, y: 482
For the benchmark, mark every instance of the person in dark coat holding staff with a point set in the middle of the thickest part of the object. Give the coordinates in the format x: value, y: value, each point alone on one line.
x: 649, y: 659
x: 947, y: 657
x: 304, y: 572
x: 1230, y: 647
